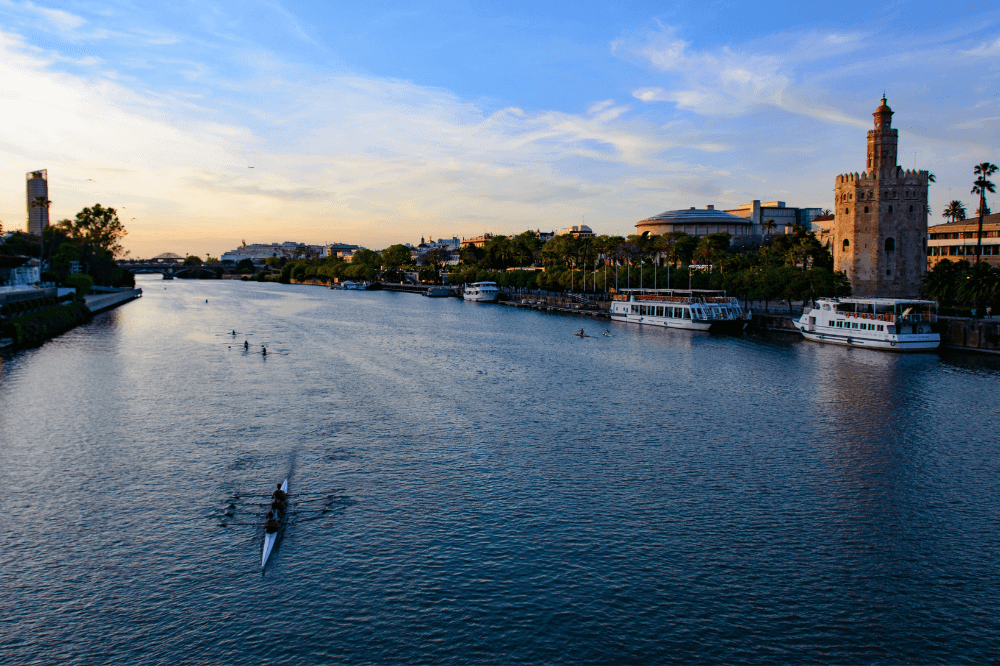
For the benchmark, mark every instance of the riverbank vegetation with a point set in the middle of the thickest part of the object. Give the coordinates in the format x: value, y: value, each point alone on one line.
x: 89, y: 243
x: 33, y: 328
x: 784, y: 267
x: 963, y: 289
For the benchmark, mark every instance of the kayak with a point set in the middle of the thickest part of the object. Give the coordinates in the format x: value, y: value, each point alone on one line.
x: 269, y: 539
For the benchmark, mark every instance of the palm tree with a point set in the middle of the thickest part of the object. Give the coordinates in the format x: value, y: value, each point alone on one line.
x: 981, y: 186
x: 769, y: 227
x: 955, y: 211
x: 940, y: 283
x: 980, y: 286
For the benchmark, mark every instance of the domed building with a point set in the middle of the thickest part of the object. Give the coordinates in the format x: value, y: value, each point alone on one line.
x: 696, y: 222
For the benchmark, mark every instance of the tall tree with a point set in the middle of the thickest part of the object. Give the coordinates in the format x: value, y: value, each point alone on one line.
x: 955, y: 211
x: 395, y: 256
x: 981, y: 186
x: 98, y: 227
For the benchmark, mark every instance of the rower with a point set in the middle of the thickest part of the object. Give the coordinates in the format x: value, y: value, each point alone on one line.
x: 246, y: 345
x: 234, y: 331
x: 263, y: 350
x: 581, y: 332
x: 271, y: 525
x: 278, y: 507
x: 279, y: 494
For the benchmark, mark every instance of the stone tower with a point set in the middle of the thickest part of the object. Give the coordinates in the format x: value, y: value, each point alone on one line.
x: 880, y: 219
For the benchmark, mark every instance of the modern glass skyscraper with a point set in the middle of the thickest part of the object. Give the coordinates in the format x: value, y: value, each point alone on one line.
x: 38, y: 192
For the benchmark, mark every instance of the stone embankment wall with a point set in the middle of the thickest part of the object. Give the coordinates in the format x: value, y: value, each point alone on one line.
x: 560, y: 304
x: 771, y: 322
x: 978, y: 335
x: 105, y: 300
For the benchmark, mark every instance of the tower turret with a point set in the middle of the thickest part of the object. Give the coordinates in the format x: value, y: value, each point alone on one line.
x: 882, y: 142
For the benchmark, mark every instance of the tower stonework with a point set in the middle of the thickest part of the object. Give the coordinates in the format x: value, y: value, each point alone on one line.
x: 880, y: 219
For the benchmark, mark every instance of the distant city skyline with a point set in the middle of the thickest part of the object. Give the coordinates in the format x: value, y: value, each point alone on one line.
x: 207, y: 124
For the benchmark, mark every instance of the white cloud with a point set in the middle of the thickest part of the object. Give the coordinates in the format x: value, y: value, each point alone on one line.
x: 347, y: 156
x: 985, y: 49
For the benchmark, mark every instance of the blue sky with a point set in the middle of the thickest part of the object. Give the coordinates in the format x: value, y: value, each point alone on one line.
x: 379, y: 123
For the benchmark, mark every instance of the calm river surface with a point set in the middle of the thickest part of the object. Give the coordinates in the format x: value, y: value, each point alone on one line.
x: 476, y: 485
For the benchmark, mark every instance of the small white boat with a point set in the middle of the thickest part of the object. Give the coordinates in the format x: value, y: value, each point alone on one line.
x: 269, y: 539
x: 482, y: 292
x: 438, y: 292
x: 348, y: 284
x: 889, y: 324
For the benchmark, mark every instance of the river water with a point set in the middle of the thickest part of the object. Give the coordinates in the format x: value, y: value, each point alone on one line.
x: 473, y: 484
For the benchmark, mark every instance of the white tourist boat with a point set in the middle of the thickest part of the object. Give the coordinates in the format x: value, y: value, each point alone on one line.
x: 348, y: 284
x: 694, y: 309
x: 483, y: 292
x: 269, y: 539
x: 890, y: 324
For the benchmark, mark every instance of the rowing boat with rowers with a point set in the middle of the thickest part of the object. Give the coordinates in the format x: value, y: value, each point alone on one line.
x: 269, y: 539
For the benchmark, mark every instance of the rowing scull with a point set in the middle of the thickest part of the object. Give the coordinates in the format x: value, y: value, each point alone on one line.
x: 269, y: 539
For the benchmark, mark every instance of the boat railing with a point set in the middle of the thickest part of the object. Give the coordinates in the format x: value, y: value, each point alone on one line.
x: 890, y: 317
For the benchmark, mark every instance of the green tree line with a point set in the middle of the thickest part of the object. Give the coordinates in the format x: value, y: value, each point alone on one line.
x: 92, y: 239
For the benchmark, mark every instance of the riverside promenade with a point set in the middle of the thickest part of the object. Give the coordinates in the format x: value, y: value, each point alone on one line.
x: 105, y: 298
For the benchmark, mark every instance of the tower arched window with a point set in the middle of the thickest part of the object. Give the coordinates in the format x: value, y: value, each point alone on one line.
x: 890, y: 245
x: 866, y: 209
x: 890, y: 209
x: 847, y: 244
x: 911, y: 209
x: 847, y: 211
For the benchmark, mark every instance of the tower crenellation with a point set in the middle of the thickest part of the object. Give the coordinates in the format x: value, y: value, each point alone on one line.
x: 880, y: 218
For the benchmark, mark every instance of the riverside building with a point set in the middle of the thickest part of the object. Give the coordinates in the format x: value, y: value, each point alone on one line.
x: 880, y: 219
x: 775, y: 217
x: 696, y: 222
x: 957, y: 240
x: 37, y: 189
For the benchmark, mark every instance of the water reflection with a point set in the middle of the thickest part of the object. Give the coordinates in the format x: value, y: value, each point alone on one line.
x: 653, y: 496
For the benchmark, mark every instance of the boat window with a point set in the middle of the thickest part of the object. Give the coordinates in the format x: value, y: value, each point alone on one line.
x: 854, y: 325
x: 687, y: 313
x: 659, y: 311
x: 881, y: 327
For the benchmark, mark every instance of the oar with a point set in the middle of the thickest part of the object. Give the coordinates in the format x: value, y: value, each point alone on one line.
x: 320, y: 492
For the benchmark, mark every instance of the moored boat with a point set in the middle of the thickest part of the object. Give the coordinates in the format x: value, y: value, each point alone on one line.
x: 438, y: 292
x: 888, y: 324
x: 483, y: 292
x: 692, y: 309
x: 269, y: 539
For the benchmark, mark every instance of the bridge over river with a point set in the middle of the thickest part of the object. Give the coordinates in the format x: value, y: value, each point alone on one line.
x: 172, y: 270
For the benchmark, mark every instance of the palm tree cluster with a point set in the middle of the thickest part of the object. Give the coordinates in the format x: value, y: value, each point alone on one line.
x: 981, y: 186
x: 788, y: 267
x: 963, y: 286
